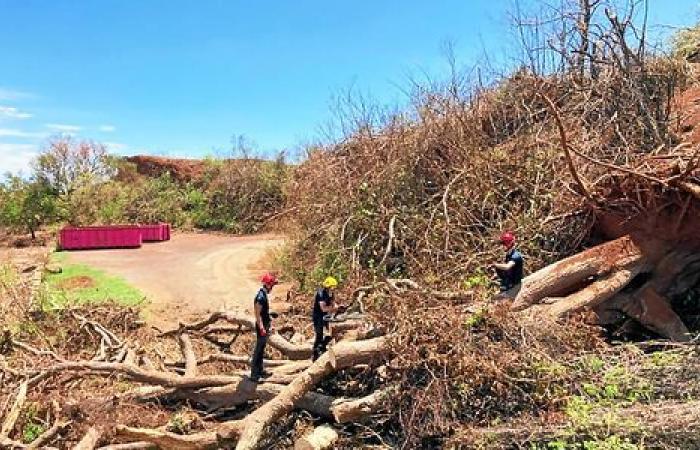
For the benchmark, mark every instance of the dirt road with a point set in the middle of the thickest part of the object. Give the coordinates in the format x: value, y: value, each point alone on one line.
x: 192, y: 274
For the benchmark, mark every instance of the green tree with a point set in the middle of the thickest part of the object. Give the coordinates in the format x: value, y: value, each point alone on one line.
x: 26, y: 205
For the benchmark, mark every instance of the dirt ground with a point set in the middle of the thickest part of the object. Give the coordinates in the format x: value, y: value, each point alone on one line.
x: 192, y: 274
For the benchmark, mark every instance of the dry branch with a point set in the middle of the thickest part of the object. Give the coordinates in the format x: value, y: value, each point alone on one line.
x: 89, y: 440
x: 131, y: 446
x: 9, y: 423
x: 290, y: 350
x: 141, y: 375
x: 567, y: 149
x: 188, y: 355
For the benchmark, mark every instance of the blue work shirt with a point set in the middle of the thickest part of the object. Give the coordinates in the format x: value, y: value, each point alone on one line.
x: 261, y: 299
x: 513, y: 276
x: 322, y: 295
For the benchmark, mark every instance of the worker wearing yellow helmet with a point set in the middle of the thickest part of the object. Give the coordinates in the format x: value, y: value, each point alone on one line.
x: 324, y: 304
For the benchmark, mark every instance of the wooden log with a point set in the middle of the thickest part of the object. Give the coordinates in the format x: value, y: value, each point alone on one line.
x: 355, y: 410
x: 167, y: 440
x: 225, y: 357
x: 595, y: 294
x: 653, y: 312
x: 562, y: 277
x: 131, y: 446
x: 342, y: 355
x: 188, y: 355
x: 321, y: 438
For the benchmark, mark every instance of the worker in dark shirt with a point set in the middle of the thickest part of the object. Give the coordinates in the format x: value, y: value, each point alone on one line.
x: 263, y: 326
x: 324, y: 304
x: 510, y: 272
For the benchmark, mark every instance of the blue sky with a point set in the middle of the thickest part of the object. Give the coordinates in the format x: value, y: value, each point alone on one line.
x: 180, y: 78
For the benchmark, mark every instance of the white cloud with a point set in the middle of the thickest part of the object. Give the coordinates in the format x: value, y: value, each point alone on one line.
x: 107, y: 128
x: 14, y: 94
x: 63, y: 128
x: 11, y: 132
x: 16, y: 157
x: 13, y: 113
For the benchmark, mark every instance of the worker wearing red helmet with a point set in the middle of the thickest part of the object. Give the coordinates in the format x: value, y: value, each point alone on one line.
x: 510, y: 272
x: 263, y: 326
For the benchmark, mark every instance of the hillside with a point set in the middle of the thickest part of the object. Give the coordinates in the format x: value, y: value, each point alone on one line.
x: 181, y: 169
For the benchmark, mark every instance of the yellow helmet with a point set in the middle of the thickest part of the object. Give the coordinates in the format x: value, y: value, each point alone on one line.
x: 330, y: 282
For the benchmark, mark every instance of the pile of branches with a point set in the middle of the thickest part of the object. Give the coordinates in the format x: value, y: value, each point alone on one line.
x: 96, y: 377
x: 474, y: 374
x: 581, y: 153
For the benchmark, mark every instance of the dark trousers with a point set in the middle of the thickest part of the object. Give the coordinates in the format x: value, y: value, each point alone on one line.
x: 504, y: 280
x: 320, y: 343
x: 256, y: 365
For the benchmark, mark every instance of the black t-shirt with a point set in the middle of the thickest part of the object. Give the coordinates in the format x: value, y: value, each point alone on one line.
x: 322, y: 295
x: 261, y: 299
x: 515, y: 275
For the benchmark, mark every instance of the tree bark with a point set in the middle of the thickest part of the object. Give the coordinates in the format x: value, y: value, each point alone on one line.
x: 145, y: 376
x: 595, y: 294
x: 653, y: 311
x: 188, y: 355
x: 563, y: 277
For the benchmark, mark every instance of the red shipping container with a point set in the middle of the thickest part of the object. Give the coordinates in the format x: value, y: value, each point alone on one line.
x: 152, y: 233
x: 166, y: 231
x: 119, y: 236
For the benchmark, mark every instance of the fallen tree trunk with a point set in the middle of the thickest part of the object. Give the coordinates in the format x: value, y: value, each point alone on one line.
x: 596, y: 293
x: 342, y: 355
x: 563, y: 277
x: 652, y: 311
x: 355, y: 410
x: 603, y: 279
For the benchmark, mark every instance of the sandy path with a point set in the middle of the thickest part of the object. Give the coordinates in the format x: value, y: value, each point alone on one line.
x: 192, y: 274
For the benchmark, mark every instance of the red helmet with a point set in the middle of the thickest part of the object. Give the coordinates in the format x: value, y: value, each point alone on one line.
x: 269, y: 278
x: 507, y: 238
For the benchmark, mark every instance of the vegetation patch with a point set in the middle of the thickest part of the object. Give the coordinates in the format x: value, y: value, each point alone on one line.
x: 79, y: 284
